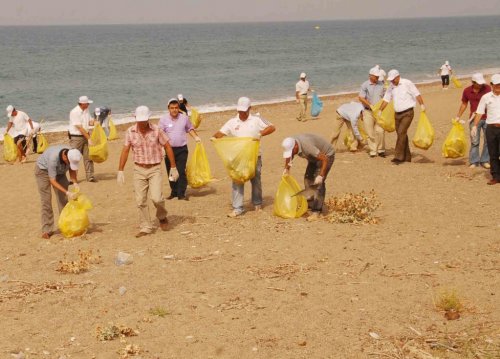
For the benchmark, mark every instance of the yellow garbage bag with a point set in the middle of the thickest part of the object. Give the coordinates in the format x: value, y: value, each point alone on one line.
x: 456, y: 82
x: 9, y: 148
x: 198, y: 169
x: 387, y: 120
x: 42, y: 143
x: 455, y: 144
x: 195, y: 117
x: 424, y: 136
x: 286, y: 203
x: 239, y: 155
x: 98, y: 152
x: 113, y: 133
x: 349, y: 136
x: 74, y: 220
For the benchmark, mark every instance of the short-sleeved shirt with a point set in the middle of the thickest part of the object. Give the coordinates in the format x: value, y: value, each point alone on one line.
x: 251, y: 127
x: 50, y: 161
x: 302, y: 87
x: 473, y: 98
x: 404, y: 95
x: 445, y: 70
x: 147, y: 148
x: 176, y: 128
x: 78, y: 117
x: 310, y: 146
x: 20, y: 124
x: 372, y: 92
x: 491, y: 103
x: 351, y: 112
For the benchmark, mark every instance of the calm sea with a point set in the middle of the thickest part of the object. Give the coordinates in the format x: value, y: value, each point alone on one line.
x: 43, y: 70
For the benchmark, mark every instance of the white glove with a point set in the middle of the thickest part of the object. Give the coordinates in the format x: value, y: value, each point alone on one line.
x: 90, y: 142
x: 174, y: 174
x: 378, y: 114
x: 76, y: 186
x: 318, y: 180
x: 286, y: 172
x: 197, y: 139
x: 120, y: 177
x: 72, y: 195
x: 422, y: 107
x: 473, y: 131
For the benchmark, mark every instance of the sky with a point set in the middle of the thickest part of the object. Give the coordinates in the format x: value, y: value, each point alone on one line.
x: 79, y: 12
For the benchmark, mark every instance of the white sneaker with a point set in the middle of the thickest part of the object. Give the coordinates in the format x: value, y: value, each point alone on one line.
x: 486, y: 165
x: 258, y: 208
x: 473, y: 165
x: 234, y: 214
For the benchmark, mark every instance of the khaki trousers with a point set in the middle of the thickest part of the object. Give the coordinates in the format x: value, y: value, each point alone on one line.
x: 337, y: 127
x: 403, y: 122
x: 45, y: 191
x: 149, y: 179
x: 82, y: 145
x: 375, y: 133
x: 303, y: 107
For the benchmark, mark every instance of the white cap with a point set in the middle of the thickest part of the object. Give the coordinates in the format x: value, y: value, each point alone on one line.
x: 243, y: 104
x: 97, y: 111
x: 288, y: 144
x: 374, y: 71
x: 172, y: 100
x: 180, y: 97
x: 446, y: 62
x: 495, y: 79
x: 10, y: 109
x: 392, y: 74
x: 74, y: 157
x: 303, y: 75
x: 381, y: 74
x: 84, y: 100
x: 142, y: 114
x: 478, y: 78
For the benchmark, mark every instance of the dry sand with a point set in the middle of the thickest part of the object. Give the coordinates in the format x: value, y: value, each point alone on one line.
x: 260, y: 286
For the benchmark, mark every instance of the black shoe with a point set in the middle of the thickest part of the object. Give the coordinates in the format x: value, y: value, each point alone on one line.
x: 373, y: 156
x: 183, y: 198
x: 381, y: 154
x: 171, y: 196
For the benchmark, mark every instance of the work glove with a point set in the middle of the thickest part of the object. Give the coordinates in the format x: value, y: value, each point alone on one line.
x: 422, y: 107
x: 457, y: 119
x: 91, y: 143
x: 197, y: 139
x: 120, y: 177
x: 473, y: 131
x: 318, y: 180
x: 76, y: 187
x: 72, y: 196
x: 378, y: 114
x: 286, y: 171
x: 174, y: 174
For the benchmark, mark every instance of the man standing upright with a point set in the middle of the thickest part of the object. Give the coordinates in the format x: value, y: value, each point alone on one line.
x: 405, y: 95
x: 372, y: 91
x: 79, y: 133
x: 473, y: 95
x: 302, y: 88
x: 22, y: 126
x: 445, y: 71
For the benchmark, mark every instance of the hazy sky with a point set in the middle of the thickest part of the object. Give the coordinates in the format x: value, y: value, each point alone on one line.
x: 51, y: 12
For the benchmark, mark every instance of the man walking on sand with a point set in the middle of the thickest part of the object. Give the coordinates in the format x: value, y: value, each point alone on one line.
x: 80, y: 123
x: 405, y: 96
x: 372, y: 91
x: 22, y: 127
x: 349, y: 114
x: 473, y: 95
x: 147, y: 142
x: 302, y: 88
x: 246, y: 125
x: 445, y: 71
x: 490, y: 105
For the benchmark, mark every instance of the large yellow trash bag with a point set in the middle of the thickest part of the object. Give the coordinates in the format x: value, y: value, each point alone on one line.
x: 9, y: 148
x: 455, y: 144
x: 239, y: 155
x: 424, y: 136
x: 42, y: 143
x: 198, y: 170
x: 287, y: 204
x: 387, y: 120
x: 113, y: 134
x: 349, y: 137
x: 98, y: 152
x: 74, y: 220
x: 456, y: 82
x: 195, y: 117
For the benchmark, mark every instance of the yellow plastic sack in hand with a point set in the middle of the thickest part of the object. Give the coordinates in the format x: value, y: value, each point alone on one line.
x: 198, y: 170
x: 113, y: 134
x: 349, y: 137
x: 42, y: 143
x: 195, y: 117
x: 98, y: 152
x: 286, y: 203
x: 74, y: 220
x: 455, y: 144
x: 424, y: 136
x: 387, y: 120
x: 239, y: 155
x: 9, y: 148
x: 456, y: 82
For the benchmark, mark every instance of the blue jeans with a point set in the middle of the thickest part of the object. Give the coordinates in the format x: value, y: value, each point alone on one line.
x: 474, y: 145
x: 238, y: 190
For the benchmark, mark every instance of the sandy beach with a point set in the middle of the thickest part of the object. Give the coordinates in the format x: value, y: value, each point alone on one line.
x: 260, y: 286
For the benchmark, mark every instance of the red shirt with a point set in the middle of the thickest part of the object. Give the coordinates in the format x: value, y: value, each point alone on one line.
x: 473, y: 98
x: 147, y: 148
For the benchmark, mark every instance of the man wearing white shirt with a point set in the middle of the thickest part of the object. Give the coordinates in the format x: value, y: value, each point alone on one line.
x: 80, y: 123
x: 246, y: 125
x: 301, y: 90
x: 405, y: 96
x: 21, y: 126
x: 445, y: 71
x: 490, y: 105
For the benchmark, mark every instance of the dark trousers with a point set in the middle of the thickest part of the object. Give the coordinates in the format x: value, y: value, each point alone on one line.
x: 445, y: 80
x: 178, y: 188
x: 493, y: 142
x: 403, y: 122
x: 315, y: 203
